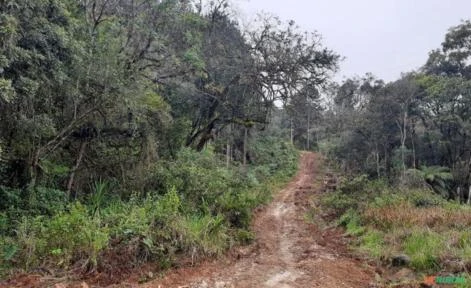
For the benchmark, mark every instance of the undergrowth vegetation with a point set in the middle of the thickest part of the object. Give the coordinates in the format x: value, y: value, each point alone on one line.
x: 193, y: 206
x: 388, y: 222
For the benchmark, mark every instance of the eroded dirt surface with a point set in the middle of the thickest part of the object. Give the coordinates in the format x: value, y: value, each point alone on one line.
x: 288, y: 251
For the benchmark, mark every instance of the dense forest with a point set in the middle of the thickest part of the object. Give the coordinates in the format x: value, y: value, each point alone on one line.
x: 144, y: 131
x: 413, y: 130
x: 403, y: 149
x: 142, y: 128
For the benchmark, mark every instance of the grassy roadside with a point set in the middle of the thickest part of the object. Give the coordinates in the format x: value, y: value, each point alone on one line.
x: 400, y: 227
x: 199, y: 209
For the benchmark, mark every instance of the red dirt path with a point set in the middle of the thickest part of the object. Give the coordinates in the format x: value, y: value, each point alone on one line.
x: 288, y: 251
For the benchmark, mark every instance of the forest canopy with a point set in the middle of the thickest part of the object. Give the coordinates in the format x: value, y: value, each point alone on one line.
x: 101, y: 89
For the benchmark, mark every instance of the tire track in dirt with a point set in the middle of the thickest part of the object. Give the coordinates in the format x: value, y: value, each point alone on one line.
x: 288, y: 251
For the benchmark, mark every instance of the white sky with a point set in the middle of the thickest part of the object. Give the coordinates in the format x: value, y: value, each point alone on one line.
x: 384, y: 37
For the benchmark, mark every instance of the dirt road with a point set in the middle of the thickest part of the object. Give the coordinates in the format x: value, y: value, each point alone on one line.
x: 288, y: 251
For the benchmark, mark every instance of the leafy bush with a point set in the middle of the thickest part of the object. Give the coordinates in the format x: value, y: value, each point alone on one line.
x: 205, y: 234
x: 339, y: 202
x: 274, y: 156
x: 192, y: 205
x: 199, y: 177
x: 72, y: 236
x: 354, y: 194
x: 10, y: 198
x: 352, y: 221
x: 47, y: 201
x: 18, y: 203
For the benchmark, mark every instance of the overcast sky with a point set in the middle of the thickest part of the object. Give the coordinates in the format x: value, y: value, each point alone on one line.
x: 385, y: 37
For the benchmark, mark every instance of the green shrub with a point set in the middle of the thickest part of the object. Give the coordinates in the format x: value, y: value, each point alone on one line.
x: 354, y: 194
x: 28, y: 239
x: 372, y: 243
x: 8, y: 250
x: 462, y: 248
x: 274, y: 156
x: 193, y: 205
x: 354, y: 186
x: 388, y: 200
x: 424, y: 197
x: 10, y: 198
x: 47, y: 201
x: 394, y: 219
x: 17, y: 203
x: 352, y: 221
x: 244, y: 236
x: 423, y: 247
x: 339, y: 202
x: 198, y: 177
x: 205, y: 235
x: 72, y: 236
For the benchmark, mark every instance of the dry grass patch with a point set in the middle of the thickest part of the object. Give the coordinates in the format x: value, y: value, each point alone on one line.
x: 405, y: 214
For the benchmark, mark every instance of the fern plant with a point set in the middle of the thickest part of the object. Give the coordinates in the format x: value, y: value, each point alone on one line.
x: 436, y: 178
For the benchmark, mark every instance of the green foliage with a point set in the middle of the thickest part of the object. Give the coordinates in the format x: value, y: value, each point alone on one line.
x: 154, y: 102
x: 10, y: 198
x: 119, y: 111
x: 199, y: 177
x: 46, y: 201
x: 354, y: 194
x: 271, y: 153
x: 416, y: 222
x: 6, y: 90
x: 98, y: 198
x: 438, y: 177
x: 419, y: 120
x: 372, y: 242
x: 74, y: 235
x: 199, y: 208
x: 339, y: 202
x: 424, y: 250
x: 17, y: 203
x: 417, y: 197
x: 193, y: 58
x: 205, y: 235
x: 352, y: 221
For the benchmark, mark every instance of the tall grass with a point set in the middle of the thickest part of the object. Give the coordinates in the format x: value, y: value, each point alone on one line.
x: 194, y: 206
x: 388, y: 221
x: 424, y: 248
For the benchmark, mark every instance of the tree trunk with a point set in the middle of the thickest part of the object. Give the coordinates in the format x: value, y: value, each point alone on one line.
x: 70, y: 182
x: 244, y: 156
x: 33, y: 172
x: 291, y: 131
x: 413, y: 147
x: 403, y: 144
x: 228, y: 154
x: 377, y: 162
x: 386, y: 160
x: 228, y: 148
x: 403, y: 130
x: 308, y: 128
